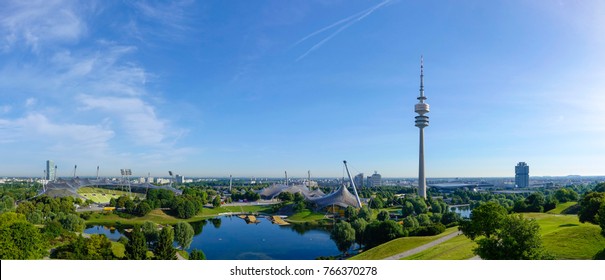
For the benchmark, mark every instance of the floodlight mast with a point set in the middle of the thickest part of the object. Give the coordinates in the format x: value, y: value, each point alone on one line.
x: 353, y: 183
x: 75, y: 167
x: 286, y: 172
x: 55, y: 179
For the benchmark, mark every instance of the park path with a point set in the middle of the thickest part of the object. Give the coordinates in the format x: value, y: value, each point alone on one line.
x: 423, y: 247
x: 179, y: 257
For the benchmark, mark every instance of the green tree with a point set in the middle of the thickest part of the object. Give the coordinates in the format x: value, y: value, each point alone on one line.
x: 350, y: 213
x: 183, y: 234
x: 164, y: 249
x: 216, y: 202
x: 343, y: 235
x: 410, y: 222
x: 377, y: 202
x: 185, y: 208
x: 424, y: 219
x: 150, y: 230
x: 565, y: 194
x: 600, y: 187
x: 450, y: 218
x: 19, y: 239
x: 485, y: 220
x: 550, y: 203
x: 601, y: 219
x: 298, y: 197
x: 197, y: 255
x: 535, y: 202
x: 590, y: 205
x: 419, y: 205
x: 378, y: 232
x: 407, y: 209
x: 143, y: 208
x: 285, y: 196
x: 383, y: 215
x: 359, y: 225
x: 97, y: 247
x: 516, y: 238
x: 136, y: 249
x: 72, y: 222
x: 365, y: 213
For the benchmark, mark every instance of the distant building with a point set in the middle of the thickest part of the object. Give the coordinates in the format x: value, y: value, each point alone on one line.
x: 50, y: 170
x: 359, y: 180
x: 161, y: 181
x: 179, y: 179
x: 522, y: 175
x: 375, y: 180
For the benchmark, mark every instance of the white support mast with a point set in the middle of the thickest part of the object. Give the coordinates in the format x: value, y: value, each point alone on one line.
x: 352, y: 183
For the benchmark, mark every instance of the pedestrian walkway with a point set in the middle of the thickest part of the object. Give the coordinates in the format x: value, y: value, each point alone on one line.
x: 423, y: 247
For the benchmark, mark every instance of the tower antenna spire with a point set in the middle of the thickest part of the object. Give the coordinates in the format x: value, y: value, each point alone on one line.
x: 422, y: 121
x: 421, y: 77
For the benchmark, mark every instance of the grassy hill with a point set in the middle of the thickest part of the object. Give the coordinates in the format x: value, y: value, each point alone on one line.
x: 567, y: 238
x: 561, y: 208
x: 562, y: 235
x: 399, y: 245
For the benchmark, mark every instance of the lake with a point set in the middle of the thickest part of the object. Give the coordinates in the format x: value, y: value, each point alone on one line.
x: 463, y: 210
x: 230, y: 238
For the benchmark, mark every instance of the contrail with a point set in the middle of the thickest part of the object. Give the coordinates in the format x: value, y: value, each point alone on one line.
x: 348, y: 21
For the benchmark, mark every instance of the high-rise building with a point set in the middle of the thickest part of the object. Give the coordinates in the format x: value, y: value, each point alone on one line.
x: 359, y: 180
x: 375, y: 180
x: 50, y: 170
x: 422, y: 121
x: 179, y: 179
x: 522, y: 175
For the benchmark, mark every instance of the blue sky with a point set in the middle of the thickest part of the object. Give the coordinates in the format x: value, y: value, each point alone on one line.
x: 253, y: 88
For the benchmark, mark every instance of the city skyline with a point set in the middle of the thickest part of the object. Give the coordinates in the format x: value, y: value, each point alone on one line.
x: 216, y: 88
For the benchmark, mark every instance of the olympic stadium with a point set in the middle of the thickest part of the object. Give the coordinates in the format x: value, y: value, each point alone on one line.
x: 69, y: 187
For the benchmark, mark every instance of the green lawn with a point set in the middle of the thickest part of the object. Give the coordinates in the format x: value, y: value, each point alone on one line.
x: 561, y: 207
x: 562, y: 235
x: 566, y: 238
x: 457, y: 248
x: 101, y: 195
x: 305, y: 216
x: 160, y: 217
x: 399, y: 245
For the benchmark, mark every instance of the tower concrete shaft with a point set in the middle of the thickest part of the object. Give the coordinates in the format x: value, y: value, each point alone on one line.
x: 422, y: 121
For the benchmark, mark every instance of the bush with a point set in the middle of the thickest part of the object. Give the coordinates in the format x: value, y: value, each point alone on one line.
x: 429, y: 230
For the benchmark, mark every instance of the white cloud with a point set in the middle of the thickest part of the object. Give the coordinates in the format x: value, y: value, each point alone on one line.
x: 38, y: 22
x: 30, y: 102
x: 169, y: 21
x: 137, y: 117
x: 64, y: 136
x: 4, y: 109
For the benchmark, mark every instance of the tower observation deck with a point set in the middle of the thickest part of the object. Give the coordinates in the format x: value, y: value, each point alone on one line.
x: 422, y: 121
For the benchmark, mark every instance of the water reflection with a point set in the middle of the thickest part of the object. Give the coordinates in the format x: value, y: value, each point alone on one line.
x: 231, y: 238
x: 463, y: 210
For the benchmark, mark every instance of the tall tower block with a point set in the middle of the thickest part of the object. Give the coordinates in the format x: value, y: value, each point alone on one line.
x: 422, y: 121
x: 50, y: 170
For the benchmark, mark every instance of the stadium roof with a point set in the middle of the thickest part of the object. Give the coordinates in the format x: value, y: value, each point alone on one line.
x: 341, y: 197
